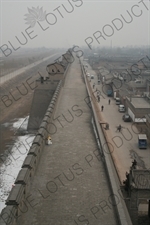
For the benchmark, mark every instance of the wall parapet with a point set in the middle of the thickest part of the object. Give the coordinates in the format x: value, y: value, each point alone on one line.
x: 18, y: 193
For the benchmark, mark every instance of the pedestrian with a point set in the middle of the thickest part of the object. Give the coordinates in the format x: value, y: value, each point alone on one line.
x: 49, y: 140
x: 42, y: 80
x: 107, y: 126
x: 98, y: 98
x: 119, y: 128
x: 102, y: 108
x: 93, y: 85
x: 109, y: 101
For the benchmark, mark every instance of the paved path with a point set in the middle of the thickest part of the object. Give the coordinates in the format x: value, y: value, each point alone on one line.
x: 124, y: 144
x: 70, y: 186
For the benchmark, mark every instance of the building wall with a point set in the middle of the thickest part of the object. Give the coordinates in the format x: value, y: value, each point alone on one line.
x: 147, y: 126
x: 133, y: 204
x: 40, y: 103
x: 46, y: 85
x: 138, y: 112
x: 148, y: 86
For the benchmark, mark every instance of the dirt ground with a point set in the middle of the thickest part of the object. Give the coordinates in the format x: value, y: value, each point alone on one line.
x: 19, y: 108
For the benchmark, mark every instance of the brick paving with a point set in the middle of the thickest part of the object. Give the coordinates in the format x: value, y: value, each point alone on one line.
x: 70, y: 186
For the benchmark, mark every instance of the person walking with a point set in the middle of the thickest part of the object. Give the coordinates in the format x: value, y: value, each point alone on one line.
x: 98, y: 98
x: 98, y: 95
x: 93, y: 85
x: 119, y: 128
x: 102, y: 108
x: 109, y: 102
x: 42, y: 80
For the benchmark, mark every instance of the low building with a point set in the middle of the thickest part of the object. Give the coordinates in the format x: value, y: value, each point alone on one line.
x: 137, y: 186
x: 137, y: 108
x: 148, y: 86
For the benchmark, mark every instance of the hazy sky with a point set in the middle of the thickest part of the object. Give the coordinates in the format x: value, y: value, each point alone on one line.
x: 87, y: 19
